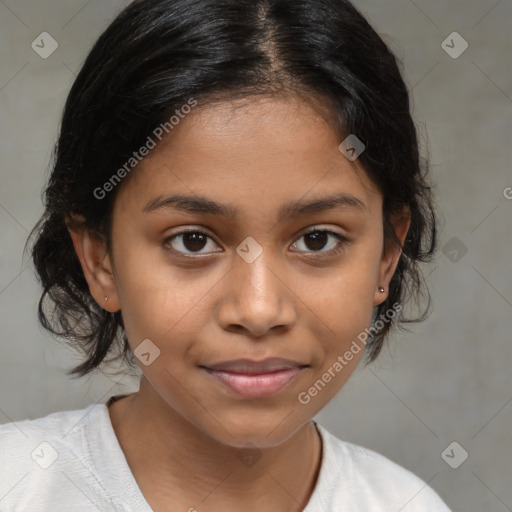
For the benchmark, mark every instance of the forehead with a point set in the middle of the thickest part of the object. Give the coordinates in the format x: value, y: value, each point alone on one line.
x: 255, y: 153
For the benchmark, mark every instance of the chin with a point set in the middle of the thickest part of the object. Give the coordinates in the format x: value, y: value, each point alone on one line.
x: 255, y: 429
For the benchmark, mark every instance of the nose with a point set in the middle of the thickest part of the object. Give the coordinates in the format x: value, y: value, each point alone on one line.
x: 256, y: 300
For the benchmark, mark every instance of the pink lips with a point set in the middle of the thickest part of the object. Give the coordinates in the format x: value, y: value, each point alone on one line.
x: 255, y: 379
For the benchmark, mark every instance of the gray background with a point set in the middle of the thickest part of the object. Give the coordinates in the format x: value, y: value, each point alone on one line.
x: 447, y: 380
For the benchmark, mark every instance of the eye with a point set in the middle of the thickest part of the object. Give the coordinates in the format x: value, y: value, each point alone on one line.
x: 317, y: 239
x: 191, y: 240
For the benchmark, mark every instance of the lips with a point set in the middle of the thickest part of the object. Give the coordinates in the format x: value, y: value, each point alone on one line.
x: 247, y: 366
x: 255, y: 379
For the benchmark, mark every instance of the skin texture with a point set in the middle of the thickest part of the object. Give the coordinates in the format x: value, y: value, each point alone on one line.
x: 182, y: 432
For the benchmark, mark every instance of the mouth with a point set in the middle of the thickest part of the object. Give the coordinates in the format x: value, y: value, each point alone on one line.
x: 255, y: 379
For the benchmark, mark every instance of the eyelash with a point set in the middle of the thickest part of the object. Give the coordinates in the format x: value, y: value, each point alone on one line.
x: 343, y: 241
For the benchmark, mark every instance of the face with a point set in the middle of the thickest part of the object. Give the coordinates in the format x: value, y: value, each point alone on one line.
x: 251, y: 299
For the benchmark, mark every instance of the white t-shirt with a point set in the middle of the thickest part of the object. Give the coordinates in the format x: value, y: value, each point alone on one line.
x: 71, y: 461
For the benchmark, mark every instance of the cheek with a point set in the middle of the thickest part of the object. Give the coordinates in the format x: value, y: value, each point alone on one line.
x: 343, y: 306
x: 158, y: 301
x: 343, y: 310
x: 343, y: 300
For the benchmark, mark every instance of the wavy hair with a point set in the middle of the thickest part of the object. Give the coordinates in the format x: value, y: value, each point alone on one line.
x: 153, y: 57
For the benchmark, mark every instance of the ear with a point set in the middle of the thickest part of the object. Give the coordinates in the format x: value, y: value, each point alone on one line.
x: 391, y: 254
x: 95, y: 261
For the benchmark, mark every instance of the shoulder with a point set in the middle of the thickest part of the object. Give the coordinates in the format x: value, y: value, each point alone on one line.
x: 54, y: 427
x: 371, y: 480
x: 57, y: 430
x: 43, y: 457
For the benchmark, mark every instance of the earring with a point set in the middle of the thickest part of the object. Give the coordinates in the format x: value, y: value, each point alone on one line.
x: 106, y: 298
x: 381, y: 289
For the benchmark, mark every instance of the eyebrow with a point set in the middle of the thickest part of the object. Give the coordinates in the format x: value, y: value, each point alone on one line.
x: 198, y: 204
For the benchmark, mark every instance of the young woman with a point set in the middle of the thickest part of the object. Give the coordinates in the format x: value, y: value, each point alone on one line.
x: 237, y: 208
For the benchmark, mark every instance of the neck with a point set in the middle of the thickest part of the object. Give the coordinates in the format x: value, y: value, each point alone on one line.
x: 178, y: 463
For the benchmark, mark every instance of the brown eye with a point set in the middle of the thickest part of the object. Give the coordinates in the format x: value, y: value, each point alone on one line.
x: 318, y: 239
x: 194, y: 241
x: 188, y: 242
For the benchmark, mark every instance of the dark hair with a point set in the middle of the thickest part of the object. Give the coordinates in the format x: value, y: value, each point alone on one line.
x: 152, y: 59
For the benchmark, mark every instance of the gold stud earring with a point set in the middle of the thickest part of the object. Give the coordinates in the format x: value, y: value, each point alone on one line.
x: 381, y: 289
